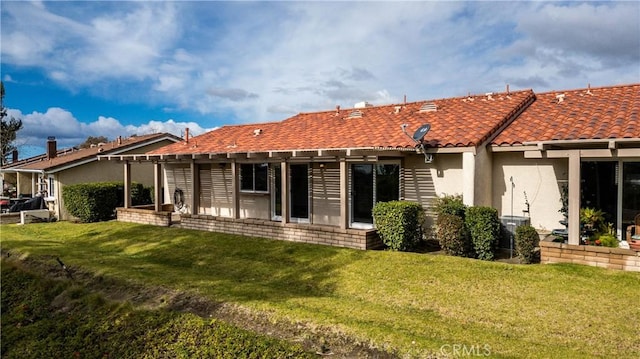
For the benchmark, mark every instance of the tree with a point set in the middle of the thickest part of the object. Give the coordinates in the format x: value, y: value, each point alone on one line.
x: 8, y: 129
x: 93, y: 141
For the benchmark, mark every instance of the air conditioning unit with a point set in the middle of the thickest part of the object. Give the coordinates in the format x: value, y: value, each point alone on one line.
x: 510, y: 223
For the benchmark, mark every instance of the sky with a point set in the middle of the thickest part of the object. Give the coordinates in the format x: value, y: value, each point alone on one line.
x: 91, y: 68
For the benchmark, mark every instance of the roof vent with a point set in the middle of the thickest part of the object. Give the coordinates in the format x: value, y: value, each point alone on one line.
x: 489, y: 95
x: 355, y: 114
x: 363, y: 104
x: 428, y: 107
x: 560, y: 97
x: 257, y: 131
x: 397, y: 109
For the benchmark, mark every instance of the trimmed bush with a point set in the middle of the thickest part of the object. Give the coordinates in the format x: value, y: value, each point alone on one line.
x: 449, y: 204
x: 91, y: 202
x: 399, y: 224
x: 453, y: 235
x: 526, y: 239
x: 609, y: 240
x: 484, y: 227
x: 94, y: 202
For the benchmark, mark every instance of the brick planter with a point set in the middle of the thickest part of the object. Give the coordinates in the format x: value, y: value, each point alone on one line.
x: 605, y: 257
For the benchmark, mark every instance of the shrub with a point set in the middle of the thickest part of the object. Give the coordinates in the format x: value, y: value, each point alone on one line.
x: 609, y: 240
x: 526, y: 241
x: 453, y: 235
x: 449, y: 204
x: 94, y: 202
x: 91, y: 202
x: 399, y: 224
x: 484, y: 227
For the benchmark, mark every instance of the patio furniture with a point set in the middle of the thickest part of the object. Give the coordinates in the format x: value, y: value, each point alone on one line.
x: 633, y: 234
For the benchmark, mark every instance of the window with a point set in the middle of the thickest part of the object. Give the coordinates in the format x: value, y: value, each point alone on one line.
x: 52, y: 187
x: 372, y: 184
x: 254, y: 177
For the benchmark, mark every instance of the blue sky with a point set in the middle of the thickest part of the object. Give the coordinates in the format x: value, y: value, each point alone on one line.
x: 78, y: 69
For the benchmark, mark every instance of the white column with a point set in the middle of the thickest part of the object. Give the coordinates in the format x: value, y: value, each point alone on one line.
x: 127, y: 184
x: 157, y: 186
x: 344, y: 194
x: 468, y: 178
x: 284, y: 191
x: 574, y: 197
x: 194, y: 187
x: 235, y: 198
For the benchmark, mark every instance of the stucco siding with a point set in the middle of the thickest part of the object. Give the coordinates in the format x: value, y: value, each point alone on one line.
x: 483, y: 178
x: 256, y: 206
x: 422, y: 182
x: 539, y: 178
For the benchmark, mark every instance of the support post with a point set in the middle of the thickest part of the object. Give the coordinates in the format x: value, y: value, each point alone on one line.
x: 284, y: 195
x: 574, y: 197
x: 344, y: 194
x: 157, y: 186
x: 235, y: 198
x: 127, y: 184
x: 194, y: 187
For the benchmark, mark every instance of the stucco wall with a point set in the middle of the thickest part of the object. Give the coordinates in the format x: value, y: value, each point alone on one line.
x: 422, y: 182
x: 539, y: 178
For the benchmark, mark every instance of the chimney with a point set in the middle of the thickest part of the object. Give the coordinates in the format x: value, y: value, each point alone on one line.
x: 52, y: 149
x: 119, y: 140
x: 14, y: 156
x: 186, y: 135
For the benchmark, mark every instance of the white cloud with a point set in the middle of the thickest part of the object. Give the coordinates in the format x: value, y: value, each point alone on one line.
x: 68, y: 131
x: 261, y: 61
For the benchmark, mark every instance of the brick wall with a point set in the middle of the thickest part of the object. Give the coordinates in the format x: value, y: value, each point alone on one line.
x: 605, y: 257
x: 306, y: 233
x: 144, y: 216
x: 295, y: 232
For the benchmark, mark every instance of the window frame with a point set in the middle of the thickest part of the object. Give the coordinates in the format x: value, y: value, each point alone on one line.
x: 254, y: 171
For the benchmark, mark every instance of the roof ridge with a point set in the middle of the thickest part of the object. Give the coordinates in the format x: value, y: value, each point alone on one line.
x: 589, y: 88
x: 414, y: 102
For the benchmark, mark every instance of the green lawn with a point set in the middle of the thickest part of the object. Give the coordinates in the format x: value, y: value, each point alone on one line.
x: 415, y: 303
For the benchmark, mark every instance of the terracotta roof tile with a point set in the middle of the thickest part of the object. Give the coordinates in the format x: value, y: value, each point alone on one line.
x: 463, y: 121
x: 595, y: 113
x: 68, y: 156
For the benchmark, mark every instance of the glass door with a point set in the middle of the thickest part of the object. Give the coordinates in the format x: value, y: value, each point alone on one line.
x: 630, y: 193
x: 299, y: 182
x: 361, y: 193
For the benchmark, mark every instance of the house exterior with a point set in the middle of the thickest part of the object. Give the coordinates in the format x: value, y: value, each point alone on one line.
x: 315, y: 177
x: 47, y: 174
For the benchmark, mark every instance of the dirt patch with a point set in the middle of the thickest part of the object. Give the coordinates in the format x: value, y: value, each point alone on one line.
x: 327, y: 342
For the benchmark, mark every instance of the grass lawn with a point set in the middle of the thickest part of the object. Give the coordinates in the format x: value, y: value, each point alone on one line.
x: 418, y: 304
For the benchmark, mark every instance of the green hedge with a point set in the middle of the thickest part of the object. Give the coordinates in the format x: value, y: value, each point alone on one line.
x: 94, y: 202
x: 449, y: 204
x: 527, y: 239
x: 453, y: 235
x: 399, y: 224
x: 484, y: 227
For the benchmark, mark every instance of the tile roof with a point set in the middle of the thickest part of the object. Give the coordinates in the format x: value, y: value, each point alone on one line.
x: 72, y: 155
x: 456, y: 122
x: 594, y: 113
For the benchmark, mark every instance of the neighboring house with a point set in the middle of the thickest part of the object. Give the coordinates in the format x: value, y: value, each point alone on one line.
x: 316, y: 176
x: 46, y: 175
